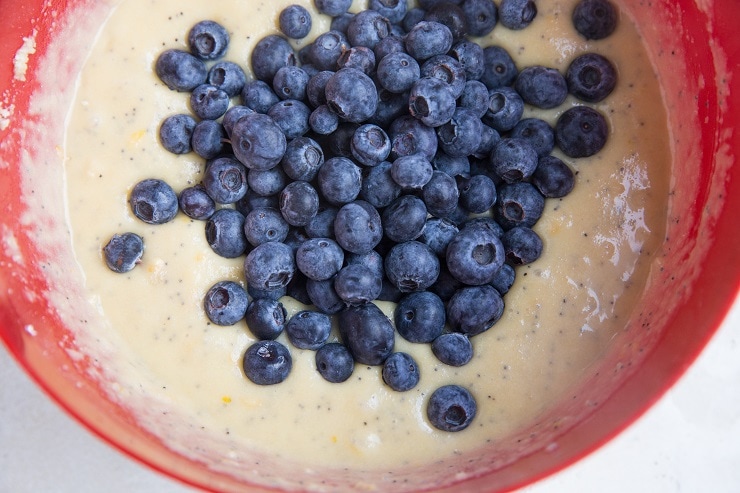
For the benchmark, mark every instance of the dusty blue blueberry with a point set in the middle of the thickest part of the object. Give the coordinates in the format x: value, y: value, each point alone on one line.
x: 259, y: 96
x: 323, y: 121
x: 175, y: 133
x: 269, y: 266
x: 295, y: 21
x: 153, y: 201
x: 324, y: 297
x: 322, y: 224
x: 489, y: 139
x: 413, y: 16
x: 334, y: 362
x: 290, y: 82
x: 400, y: 372
x: 461, y: 135
x: 451, y: 408
x: 225, y: 180
x: 339, y: 180
x: 412, y: 172
x: 316, y: 88
x: 453, y: 166
x: 225, y: 233
x: 360, y: 57
x: 299, y: 203
x: 432, y: 101
x: 267, y: 182
x: 542, y: 87
x: 196, y: 203
x: 291, y: 116
x: 370, y: 145
x: 518, y: 204
x: 499, y: 68
x: 437, y: 234
x: 208, y: 102
x: 581, y: 131
x: 591, y: 77
x: 367, y: 333
x: 517, y: 14
x: 123, y: 252
x: 514, y: 160
x: 440, y: 194
x: 397, y: 72
x: 352, y: 95
x: 477, y: 193
x: 358, y: 227
x: 595, y: 19
x: 552, y: 177
x: 265, y: 224
x: 208, y: 40
x: 179, y: 70
x: 225, y: 303
x: 473, y: 310
x: 428, y: 38
x: 404, y: 218
x: 372, y: 260
x: 356, y: 284
x: 208, y: 139
x: 420, y: 316
x: 378, y: 187
x: 390, y: 107
x: 326, y: 49
x: 537, y: 132
x: 302, y: 159
x: 481, y: 16
x: 453, y: 348
x: 258, y: 142
x: 267, y: 362
x: 319, y: 258
x: 332, y: 7
x: 411, y: 266
x: 522, y: 245
x: 504, y: 279
x: 451, y: 15
x: 474, y: 97
x: 367, y: 28
x: 474, y: 255
x: 270, y: 54
x: 308, y: 329
x: 411, y: 136
x: 227, y: 76
x: 505, y: 108
x: 265, y: 318
x: 393, y: 10
x: 252, y: 200
x: 389, y: 44
x: 448, y: 70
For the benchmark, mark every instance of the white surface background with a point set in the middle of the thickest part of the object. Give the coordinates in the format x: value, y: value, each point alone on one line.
x: 690, y: 441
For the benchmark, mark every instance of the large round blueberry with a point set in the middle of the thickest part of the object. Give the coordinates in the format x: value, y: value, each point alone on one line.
x: 440, y: 194
x: 360, y: 57
x: 290, y: 82
x: 432, y: 101
x: 400, y: 372
x: 370, y: 145
x: 505, y: 108
x: 303, y: 158
x: 367, y: 333
x: 595, y: 19
x: 225, y: 303
x: 514, y: 160
x: 295, y: 21
x: 453, y: 349
x: 153, y: 201
x: 265, y: 224
x: 474, y: 309
x: 420, y: 316
x: 323, y: 121
x: 581, y: 131
x: 517, y: 14
x: 123, y: 252
x: 233, y: 115
x: 267, y: 362
x: 270, y: 54
x: 319, y: 258
x: 477, y: 193
x: 299, y: 203
x: 358, y: 227
x: 538, y: 133
x: 411, y: 266
x: 522, y: 245
x: 258, y: 142
x: 427, y: 39
x: 474, y: 97
x: 259, y: 96
x: 591, y: 77
x: 225, y: 180
x: 437, y: 234
x: 392, y: 10
x: 225, y: 233
x: 196, y: 203
x: 518, y: 204
x: 378, y: 187
x: 333, y: 7
x: 552, y: 177
x: 326, y: 49
x: 461, y: 135
x: 308, y: 329
x: 228, y: 77
x: 265, y: 318
x: 542, y: 87
x: 412, y: 172
x: 208, y: 102
x: 269, y: 266
x: 175, y: 133
x: 208, y: 40
x: 357, y: 284
x: 322, y: 224
x: 499, y: 68
x: 397, y: 72
x: 404, y: 218
x: 352, y: 95
x: 410, y: 136
x: 180, y: 70
x: 474, y: 255
x: 367, y: 28
x: 208, y: 140
x: 334, y: 362
x: 339, y: 180
x: 291, y: 116
x: 451, y: 408
x: 480, y: 15
x: 324, y: 297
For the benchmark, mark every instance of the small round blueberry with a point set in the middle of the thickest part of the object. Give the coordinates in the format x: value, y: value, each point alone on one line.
x: 180, y: 71
x: 265, y: 318
x: 225, y: 180
x: 451, y: 408
x: 591, y: 77
x: 153, y: 201
x: 295, y: 21
x: 267, y: 362
x: 208, y: 140
x: 227, y: 76
x: 308, y: 329
x: 552, y: 177
x: 334, y: 362
x: 175, y: 133
x: 356, y: 284
x: 517, y: 14
x: 595, y: 19
x: 542, y: 87
x: 123, y: 252
x: 270, y: 54
x: 225, y: 303
x: 400, y: 372
x: 225, y: 233
x: 522, y: 245
x: 196, y: 203
x: 420, y: 316
x: 473, y: 310
x: 367, y: 333
x: 581, y: 131
x: 208, y: 40
x: 265, y: 224
x: 453, y: 349
x: 269, y: 266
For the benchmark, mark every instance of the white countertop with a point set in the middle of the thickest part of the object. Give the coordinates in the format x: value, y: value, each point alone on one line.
x: 690, y: 441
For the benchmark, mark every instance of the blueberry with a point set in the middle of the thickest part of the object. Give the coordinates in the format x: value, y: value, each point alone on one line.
x: 400, y: 372
x: 352, y: 95
x: 308, y: 329
x: 448, y: 70
x: 291, y: 116
x: 273, y: 294
x: 356, y: 284
x: 552, y: 177
x: 451, y: 408
x: 322, y: 224
x: 453, y: 166
x: 505, y: 108
x: 316, y: 88
x: 225, y: 303
x: 440, y: 194
x: 175, y: 133
x: 341, y: 22
x: 398, y: 72
x: 334, y: 362
x: 413, y: 17
x: 153, y: 201
x: 581, y: 132
x: 225, y: 233
x: 514, y: 160
x: 461, y: 135
x: 319, y: 258
x: 474, y: 255
x: 450, y: 15
x: 269, y: 266
x: 252, y: 201
x: 267, y: 182
x: 411, y: 172
x: 453, y: 349
x: 123, y: 252
x: 437, y: 234
x: 302, y: 159
x: 474, y: 309
x: 388, y: 45
x: 378, y: 187
x: 504, y: 279
x: 370, y: 145
x: 420, y: 316
x: 295, y: 21
x: 359, y: 57
x: 474, y: 97
x: 367, y: 333
x: 517, y: 14
x: 393, y: 10
x: 180, y: 71
x: 358, y: 227
x: 411, y: 136
x: 265, y: 224
x: 208, y: 40
x: 225, y: 180
x: 339, y: 180
x: 265, y: 318
x: 324, y: 297
x: 290, y: 82
x: 332, y: 7
x: 323, y: 121
x: 591, y: 77
x: 208, y: 139
x: 542, y: 87
x: 499, y: 68
x: 595, y: 19
x: 481, y: 16
x: 259, y: 96
x: 339, y: 143
x: 485, y: 222
x: 518, y: 204
x: 372, y: 260
x: 489, y: 139
x: 522, y: 245
x: 196, y: 203
x: 428, y: 38
x: 228, y: 77
x: 208, y: 102
x: 267, y: 362
x: 297, y: 289
x: 258, y: 142
x: 404, y: 218
x: 367, y: 28
x: 477, y: 193
x: 299, y: 203
x: 411, y: 266
x: 326, y: 49
x: 270, y: 54
x: 432, y: 101
x: 538, y: 133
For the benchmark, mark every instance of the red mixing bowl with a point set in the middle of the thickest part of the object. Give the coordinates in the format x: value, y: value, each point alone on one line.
x: 696, y: 51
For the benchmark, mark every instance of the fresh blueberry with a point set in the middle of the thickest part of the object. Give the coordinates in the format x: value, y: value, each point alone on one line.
x: 225, y: 303
x: 504, y: 279
x: 332, y: 7
x: 397, y: 72
x: 225, y: 233
x: 359, y: 57
x: 474, y: 255
x: 552, y: 177
x: 499, y: 68
x: 290, y: 82
x: 308, y: 329
x: 517, y: 14
x: 358, y: 227
x: 326, y: 49
x: 208, y: 102
x: 451, y: 408
x: 378, y: 187
x: 339, y: 180
x: 370, y: 145
x: 400, y: 372
x: 324, y: 297
x: 259, y: 96
x: 270, y: 54
x: 411, y: 266
x: 411, y: 136
x: 123, y: 252
x: 180, y: 71
x: 505, y: 108
x: 522, y: 245
x: 322, y: 224
x: 595, y: 19
x: 196, y: 203
x: 481, y: 16
x: 438, y: 234
x: 432, y: 101
x: 518, y: 204
x: 367, y: 28
x: 542, y: 87
x: 453, y: 349
x: 265, y: 318
x: 208, y: 139
x: 448, y: 70
x: 485, y: 222
x: 302, y: 159
x: 428, y: 38
x: 208, y: 40
x: 413, y: 17
x: 393, y: 10
x: 474, y: 309
x: 295, y: 21
x: 175, y: 133
x: 453, y: 166
x: 267, y: 182
x: 299, y: 203
x: 356, y: 284
x: 388, y: 45
x: 319, y: 258
x: 538, y: 133
x: 258, y: 142
x: 323, y: 120
x: 404, y: 218
x: 371, y: 260
x: 291, y: 116
x: 153, y: 201
x: 352, y: 95
x: 451, y: 15
x: 474, y: 97
x: 225, y: 180
x: 477, y: 193
x: 227, y: 76
x: 581, y: 131
x: 411, y: 172
x: 339, y: 143
x: 489, y: 139
x: 252, y: 200
x: 514, y: 160
x: 591, y: 77
x: 461, y: 135
x: 265, y: 224
x: 267, y: 362
x: 440, y: 194
x: 269, y: 266
x: 367, y: 333
x: 420, y: 316
x: 334, y: 362
x: 316, y: 88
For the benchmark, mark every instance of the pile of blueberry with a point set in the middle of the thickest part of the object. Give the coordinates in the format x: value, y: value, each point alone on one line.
x: 386, y: 160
